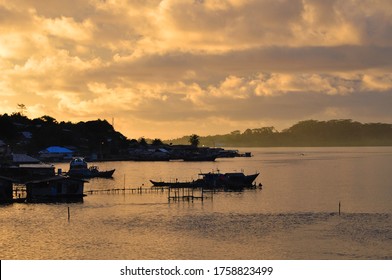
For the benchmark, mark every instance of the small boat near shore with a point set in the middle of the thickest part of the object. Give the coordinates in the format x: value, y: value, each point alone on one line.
x: 214, y: 180
x: 173, y: 184
x: 78, y: 168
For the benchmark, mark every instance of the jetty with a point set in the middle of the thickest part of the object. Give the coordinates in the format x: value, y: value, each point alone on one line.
x: 138, y: 190
x: 173, y: 193
x: 188, y: 193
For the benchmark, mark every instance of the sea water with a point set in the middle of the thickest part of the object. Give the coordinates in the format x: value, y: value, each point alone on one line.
x: 295, y: 215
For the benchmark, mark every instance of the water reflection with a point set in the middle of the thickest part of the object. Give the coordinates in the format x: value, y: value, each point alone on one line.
x: 294, y: 216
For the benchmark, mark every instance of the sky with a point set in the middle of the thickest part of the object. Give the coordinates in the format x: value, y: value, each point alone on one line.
x: 169, y: 68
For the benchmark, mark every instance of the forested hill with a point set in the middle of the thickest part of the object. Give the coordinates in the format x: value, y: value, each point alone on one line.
x: 304, y: 133
x: 32, y: 135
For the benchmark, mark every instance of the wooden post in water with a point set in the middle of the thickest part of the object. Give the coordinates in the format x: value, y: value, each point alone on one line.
x: 69, y: 214
x: 339, y: 207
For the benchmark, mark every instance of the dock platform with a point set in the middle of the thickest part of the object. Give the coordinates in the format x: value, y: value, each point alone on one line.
x: 173, y: 193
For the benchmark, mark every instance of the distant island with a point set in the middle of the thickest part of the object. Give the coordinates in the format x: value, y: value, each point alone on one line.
x: 309, y: 133
x: 98, y: 139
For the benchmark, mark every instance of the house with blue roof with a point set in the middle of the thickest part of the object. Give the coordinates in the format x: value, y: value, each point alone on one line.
x: 56, y: 153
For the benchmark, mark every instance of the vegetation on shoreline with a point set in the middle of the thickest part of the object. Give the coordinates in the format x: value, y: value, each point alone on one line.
x: 26, y: 135
x: 32, y: 135
x: 305, y: 133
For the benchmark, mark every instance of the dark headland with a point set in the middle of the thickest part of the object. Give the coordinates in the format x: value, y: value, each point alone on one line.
x: 98, y: 140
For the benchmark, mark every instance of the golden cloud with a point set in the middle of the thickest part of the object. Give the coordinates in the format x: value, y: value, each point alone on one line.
x: 180, y: 61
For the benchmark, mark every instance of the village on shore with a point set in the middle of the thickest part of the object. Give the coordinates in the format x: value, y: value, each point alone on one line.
x: 24, y: 140
x: 24, y: 178
x: 28, y: 149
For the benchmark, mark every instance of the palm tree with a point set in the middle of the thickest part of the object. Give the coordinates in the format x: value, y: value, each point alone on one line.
x: 194, y: 140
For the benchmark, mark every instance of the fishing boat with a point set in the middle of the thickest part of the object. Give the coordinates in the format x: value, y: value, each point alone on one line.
x: 78, y: 168
x: 231, y: 180
x: 173, y: 184
x: 212, y: 180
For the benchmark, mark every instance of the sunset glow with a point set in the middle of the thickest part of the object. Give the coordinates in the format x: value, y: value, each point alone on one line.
x: 168, y: 68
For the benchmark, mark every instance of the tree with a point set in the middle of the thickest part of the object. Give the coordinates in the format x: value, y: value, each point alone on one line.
x: 248, y: 132
x: 8, y: 131
x: 143, y: 141
x: 22, y: 109
x: 48, y: 119
x: 194, y: 140
x: 157, y: 142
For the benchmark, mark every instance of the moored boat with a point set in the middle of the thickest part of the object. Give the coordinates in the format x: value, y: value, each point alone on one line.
x: 231, y: 180
x: 212, y: 180
x: 78, y: 168
x: 173, y: 184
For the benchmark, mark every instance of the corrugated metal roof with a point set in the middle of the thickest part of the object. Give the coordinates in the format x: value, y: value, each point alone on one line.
x: 57, y: 150
x: 23, y: 158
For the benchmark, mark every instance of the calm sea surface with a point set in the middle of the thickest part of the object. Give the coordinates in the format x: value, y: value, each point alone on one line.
x: 294, y: 216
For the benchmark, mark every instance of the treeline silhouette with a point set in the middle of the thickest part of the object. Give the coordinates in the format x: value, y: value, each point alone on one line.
x: 32, y: 135
x: 98, y: 136
x: 344, y: 132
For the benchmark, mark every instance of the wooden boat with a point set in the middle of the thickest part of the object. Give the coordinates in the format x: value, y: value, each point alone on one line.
x: 173, y: 184
x: 233, y: 180
x: 211, y: 180
x: 94, y: 172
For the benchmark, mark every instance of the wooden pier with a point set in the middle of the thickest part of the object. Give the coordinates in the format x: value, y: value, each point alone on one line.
x: 173, y: 193
x: 187, y: 194
x: 139, y: 190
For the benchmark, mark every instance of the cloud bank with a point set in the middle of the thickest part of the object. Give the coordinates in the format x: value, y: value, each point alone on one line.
x: 174, y: 67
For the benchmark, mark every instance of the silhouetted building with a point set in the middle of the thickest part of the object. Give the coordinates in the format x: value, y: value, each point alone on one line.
x: 5, y: 189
